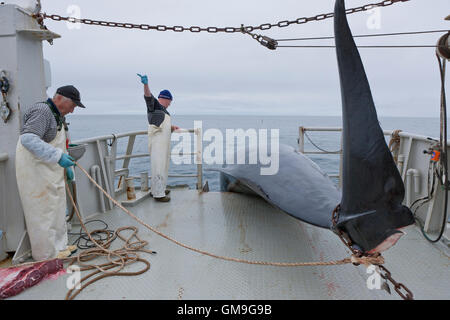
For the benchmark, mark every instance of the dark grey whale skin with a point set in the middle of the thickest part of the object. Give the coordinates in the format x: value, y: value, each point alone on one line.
x: 300, y: 188
x: 371, y: 207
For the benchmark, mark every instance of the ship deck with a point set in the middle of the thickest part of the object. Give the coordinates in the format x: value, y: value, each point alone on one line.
x: 247, y: 227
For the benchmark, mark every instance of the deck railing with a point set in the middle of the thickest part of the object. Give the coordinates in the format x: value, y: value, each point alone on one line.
x: 124, y: 170
x: 320, y: 151
x: 129, y: 155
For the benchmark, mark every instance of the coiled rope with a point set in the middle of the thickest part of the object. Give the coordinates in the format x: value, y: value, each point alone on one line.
x: 126, y: 255
x: 394, y: 144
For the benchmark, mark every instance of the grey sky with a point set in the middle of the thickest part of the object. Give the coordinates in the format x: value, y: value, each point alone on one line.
x: 232, y: 73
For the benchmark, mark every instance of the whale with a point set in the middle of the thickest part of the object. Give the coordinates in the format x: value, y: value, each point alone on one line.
x: 368, y: 210
x: 299, y: 188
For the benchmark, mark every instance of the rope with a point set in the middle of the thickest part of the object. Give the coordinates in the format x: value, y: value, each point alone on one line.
x: 126, y: 255
x: 394, y: 144
x: 363, y: 260
x: 108, y: 234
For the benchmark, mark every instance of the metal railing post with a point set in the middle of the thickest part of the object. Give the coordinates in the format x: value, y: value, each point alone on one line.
x: 199, y: 155
x: 301, y: 140
x: 126, y: 161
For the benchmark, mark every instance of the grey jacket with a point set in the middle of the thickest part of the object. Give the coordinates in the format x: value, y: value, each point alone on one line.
x: 155, y: 111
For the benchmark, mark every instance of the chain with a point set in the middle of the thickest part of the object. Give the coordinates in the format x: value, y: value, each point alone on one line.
x: 263, y: 40
x: 385, y: 273
x: 342, y: 235
x: 266, y: 41
x: 319, y: 148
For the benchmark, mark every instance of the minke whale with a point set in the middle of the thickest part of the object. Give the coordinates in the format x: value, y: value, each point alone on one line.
x: 299, y: 188
x: 369, y: 207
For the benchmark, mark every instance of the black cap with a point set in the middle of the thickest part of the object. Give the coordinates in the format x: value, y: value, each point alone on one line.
x: 72, y: 93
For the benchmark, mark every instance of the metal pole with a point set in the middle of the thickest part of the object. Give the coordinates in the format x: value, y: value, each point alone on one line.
x: 131, y: 192
x: 144, y: 181
x: 199, y: 152
x: 301, y: 140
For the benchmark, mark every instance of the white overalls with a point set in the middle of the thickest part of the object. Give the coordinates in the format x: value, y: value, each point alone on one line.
x: 159, y: 149
x: 42, y: 191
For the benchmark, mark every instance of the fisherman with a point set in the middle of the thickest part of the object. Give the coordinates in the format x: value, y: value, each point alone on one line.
x: 41, y: 161
x: 159, y: 131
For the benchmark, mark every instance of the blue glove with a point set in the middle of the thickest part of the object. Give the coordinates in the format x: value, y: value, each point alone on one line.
x: 144, y: 79
x: 69, y: 174
x: 66, y: 161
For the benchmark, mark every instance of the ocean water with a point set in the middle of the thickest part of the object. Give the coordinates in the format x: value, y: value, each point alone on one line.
x: 87, y: 126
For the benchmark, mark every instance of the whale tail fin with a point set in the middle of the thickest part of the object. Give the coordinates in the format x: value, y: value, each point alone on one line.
x: 371, y: 210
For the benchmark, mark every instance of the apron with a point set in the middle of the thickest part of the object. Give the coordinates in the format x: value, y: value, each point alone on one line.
x: 159, y: 149
x: 42, y: 192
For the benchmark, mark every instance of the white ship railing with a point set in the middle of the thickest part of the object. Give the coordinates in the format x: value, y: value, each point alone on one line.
x: 301, y: 145
x: 123, y: 172
x: 413, y: 164
x: 101, y: 160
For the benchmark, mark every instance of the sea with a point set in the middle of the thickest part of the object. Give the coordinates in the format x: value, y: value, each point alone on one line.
x: 88, y: 126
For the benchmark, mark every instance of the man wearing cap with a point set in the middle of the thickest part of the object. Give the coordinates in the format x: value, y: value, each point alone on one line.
x: 159, y: 131
x: 42, y: 163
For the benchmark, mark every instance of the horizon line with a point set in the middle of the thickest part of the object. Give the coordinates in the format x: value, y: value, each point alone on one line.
x: 248, y: 115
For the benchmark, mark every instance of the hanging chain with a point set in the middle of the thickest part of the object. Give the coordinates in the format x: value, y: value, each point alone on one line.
x: 263, y: 40
x: 342, y: 235
x: 385, y: 273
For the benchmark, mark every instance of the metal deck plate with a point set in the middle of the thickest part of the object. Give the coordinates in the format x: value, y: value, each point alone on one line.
x: 247, y: 227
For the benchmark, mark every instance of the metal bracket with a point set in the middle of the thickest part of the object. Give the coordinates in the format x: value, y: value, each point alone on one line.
x: 23, y: 251
x: 4, y: 83
x: 5, y: 110
x: 3, y: 254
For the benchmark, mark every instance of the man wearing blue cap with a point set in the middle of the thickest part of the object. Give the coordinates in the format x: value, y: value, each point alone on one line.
x: 159, y: 131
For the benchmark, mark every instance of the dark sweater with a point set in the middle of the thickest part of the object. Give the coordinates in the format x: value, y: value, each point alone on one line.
x: 155, y: 111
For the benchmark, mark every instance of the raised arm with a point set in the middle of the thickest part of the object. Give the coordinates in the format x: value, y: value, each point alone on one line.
x: 147, y: 92
x: 144, y: 80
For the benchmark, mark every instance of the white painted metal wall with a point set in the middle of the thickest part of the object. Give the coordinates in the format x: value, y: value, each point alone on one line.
x: 21, y: 57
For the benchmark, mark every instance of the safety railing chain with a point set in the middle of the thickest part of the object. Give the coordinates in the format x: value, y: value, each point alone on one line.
x: 263, y: 40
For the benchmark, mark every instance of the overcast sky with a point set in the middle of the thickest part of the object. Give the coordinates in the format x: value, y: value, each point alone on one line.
x: 232, y: 73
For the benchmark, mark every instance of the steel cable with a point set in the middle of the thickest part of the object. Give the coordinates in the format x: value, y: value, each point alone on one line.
x: 366, y: 35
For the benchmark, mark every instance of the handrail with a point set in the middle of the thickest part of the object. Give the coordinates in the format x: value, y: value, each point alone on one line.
x: 402, y: 134
x: 124, y: 171
x: 3, y: 157
x: 124, y: 135
x: 301, y: 142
